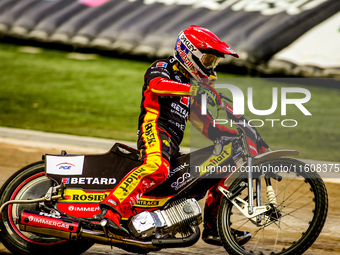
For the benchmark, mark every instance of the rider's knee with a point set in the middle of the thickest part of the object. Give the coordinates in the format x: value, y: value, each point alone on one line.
x: 165, y: 168
x: 159, y: 166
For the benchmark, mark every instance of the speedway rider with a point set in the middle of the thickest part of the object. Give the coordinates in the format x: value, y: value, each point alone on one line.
x: 165, y: 109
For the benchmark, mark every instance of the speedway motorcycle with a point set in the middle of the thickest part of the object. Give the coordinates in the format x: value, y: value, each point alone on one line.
x: 47, y: 207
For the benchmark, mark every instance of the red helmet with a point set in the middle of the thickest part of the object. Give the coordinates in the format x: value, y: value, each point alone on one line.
x: 199, y: 50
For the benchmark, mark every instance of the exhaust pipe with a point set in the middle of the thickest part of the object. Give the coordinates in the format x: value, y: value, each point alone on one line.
x: 70, y: 229
x: 178, y: 242
x: 48, y: 224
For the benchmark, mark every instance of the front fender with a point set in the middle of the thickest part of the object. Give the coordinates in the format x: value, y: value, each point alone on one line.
x: 274, y: 154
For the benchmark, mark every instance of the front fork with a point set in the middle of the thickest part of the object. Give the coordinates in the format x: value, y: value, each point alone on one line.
x: 250, y: 191
x: 258, y: 188
x: 248, y: 209
x: 250, y: 187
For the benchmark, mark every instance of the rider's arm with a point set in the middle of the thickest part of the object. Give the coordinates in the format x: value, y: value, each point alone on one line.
x: 205, y: 124
x: 163, y: 87
x: 157, y: 78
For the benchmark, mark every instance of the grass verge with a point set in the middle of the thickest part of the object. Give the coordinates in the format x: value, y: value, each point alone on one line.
x: 100, y: 97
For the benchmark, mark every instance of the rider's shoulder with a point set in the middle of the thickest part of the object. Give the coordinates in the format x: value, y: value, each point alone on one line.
x: 162, y: 63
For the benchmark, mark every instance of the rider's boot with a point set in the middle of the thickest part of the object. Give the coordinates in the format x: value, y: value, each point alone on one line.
x: 210, y: 234
x: 241, y: 237
x: 112, y: 215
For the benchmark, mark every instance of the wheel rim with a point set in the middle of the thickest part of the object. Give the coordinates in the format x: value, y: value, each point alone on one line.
x: 34, y: 187
x: 296, y: 204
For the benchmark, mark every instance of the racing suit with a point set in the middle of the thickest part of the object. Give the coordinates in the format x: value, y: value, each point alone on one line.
x: 164, y: 113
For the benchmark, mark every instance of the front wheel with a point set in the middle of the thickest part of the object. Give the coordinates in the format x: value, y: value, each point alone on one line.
x: 294, y: 221
x: 26, y: 184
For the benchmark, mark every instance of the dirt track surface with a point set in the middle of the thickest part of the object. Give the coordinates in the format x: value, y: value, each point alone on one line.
x: 15, y: 155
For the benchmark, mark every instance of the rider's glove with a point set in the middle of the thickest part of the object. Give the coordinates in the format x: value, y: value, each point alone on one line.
x: 194, y: 90
x: 262, y: 146
x: 211, y: 99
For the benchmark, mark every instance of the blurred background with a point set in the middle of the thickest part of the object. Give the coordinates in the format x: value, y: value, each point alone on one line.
x: 77, y: 66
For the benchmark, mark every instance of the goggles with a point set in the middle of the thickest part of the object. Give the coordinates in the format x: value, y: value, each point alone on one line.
x: 209, y: 61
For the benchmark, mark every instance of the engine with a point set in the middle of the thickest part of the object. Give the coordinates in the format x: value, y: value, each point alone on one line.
x: 177, y: 218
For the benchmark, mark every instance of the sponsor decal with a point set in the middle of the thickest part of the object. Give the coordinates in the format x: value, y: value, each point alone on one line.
x: 187, y: 43
x: 61, y: 165
x: 172, y: 60
x: 65, y: 166
x: 181, y: 181
x: 81, y: 196
x: 131, y: 179
x: 178, y: 125
x: 65, y: 180
x: 148, y: 184
x: 134, y: 199
x: 185, y: 100
x: 147, y: 203
x: 162, y: 64
x: 179, y: 110
x: 43, y: 222
x: 91, y: 181
x: 166, y: 143
x: 89, y: 198
x: 151, y: 202
x: 179, y: 168
x: 183, y: 54
x: 214, y: 160
x: 73, y: 208
x: 150, y: 136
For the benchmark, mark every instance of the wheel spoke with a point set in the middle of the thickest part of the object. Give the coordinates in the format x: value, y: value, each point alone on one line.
x: 258, y: 239
x: 277, y: 234
x: 292, y: 193
x: 281, y: 206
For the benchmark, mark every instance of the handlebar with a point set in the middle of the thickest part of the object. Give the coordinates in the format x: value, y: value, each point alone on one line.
x: 242, y: 124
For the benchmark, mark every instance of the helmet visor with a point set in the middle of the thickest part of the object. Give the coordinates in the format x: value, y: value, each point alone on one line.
x: 209, y: 61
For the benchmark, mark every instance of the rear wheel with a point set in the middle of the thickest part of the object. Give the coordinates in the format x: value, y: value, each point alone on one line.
x: 31, y: 183
x: 293, y: 223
